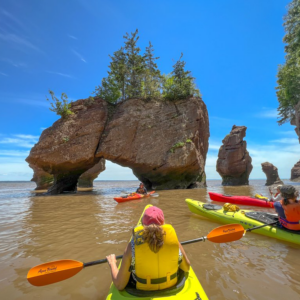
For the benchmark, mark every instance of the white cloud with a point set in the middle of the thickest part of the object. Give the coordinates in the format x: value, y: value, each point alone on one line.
x: 268, y: 113
x: 20, y: 140
x: 3, y: 74
x: 78, y: 55
x: 61, y: 74
x: 15, y: 39
x: 18, y: 153
x: 14, y: 63
x: 72, y: 37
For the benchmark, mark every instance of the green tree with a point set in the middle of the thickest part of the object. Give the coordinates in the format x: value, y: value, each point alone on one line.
x: 151, y: 85
x: 109, y: 90
x: 179, y: 84
x: 60, y: 107
x: 134, y: 65
x: 288, y: 89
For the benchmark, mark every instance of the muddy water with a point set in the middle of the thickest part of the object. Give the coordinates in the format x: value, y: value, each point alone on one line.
x: 88, y: 226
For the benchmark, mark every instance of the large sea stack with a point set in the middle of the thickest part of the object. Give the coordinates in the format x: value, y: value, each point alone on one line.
x: 164, y: 142
x: 272, y: 174
x: 234, y: 163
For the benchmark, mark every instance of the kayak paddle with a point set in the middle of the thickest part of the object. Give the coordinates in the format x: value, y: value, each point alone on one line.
x: 129, y: 194
x: 261, y: 226
x: 59, y: 270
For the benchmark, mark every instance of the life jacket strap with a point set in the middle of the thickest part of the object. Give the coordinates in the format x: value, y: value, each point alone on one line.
x: 155, y: 280
x: 288, y: 222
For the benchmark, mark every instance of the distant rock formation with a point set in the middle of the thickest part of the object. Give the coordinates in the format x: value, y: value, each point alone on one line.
x: 295, y: 172
x: 272, y: 174
x: 234, y: 163
x: 164, y: 143
x: 87, y: 178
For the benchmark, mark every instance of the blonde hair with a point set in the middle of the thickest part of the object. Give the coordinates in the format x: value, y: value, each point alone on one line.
x: 154, y: 236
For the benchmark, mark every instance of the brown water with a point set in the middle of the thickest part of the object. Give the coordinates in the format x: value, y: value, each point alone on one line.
x: 88, y: 226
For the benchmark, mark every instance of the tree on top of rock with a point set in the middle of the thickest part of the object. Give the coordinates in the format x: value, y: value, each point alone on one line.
x: 288, y: 89
x: 151, y: 85
x: 135, y: 65
x: 179, y: 84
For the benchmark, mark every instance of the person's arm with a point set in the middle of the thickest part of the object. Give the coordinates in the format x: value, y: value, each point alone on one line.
x: 185, y: 264
x: 276, y: 197
x: 120, y: 277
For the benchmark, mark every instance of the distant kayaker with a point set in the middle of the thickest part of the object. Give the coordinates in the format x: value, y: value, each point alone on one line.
x: 154, y: 249
x: 141, y: 189
x: 288, y: 209
x: 277, y: 196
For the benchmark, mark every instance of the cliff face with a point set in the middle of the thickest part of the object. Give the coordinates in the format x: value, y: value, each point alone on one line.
x: 295, y: 172
x: 67, y: 148
x: 272, y: 173
x: 234, y: 162
x: 164, y: 143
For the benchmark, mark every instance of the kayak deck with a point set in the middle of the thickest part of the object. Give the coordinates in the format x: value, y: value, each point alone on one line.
x: 243, y: 200
x: 192, y: 288
x: 133, y: 197
x: 239, y: 217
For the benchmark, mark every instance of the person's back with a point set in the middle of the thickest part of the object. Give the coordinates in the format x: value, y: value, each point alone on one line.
x: 288, y: 209
x: 153, y: 255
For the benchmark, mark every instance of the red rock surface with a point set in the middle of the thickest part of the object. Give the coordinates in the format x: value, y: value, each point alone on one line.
x: 42, y: 179
x: 67, y: 148
x: 272, y: 173
x: 87, y: 178
x: 164, y: 143
x: 234, y: 162
x: 295, y: 172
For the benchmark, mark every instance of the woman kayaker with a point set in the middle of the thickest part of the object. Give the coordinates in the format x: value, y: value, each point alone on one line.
x: 141, y: 189
x: 288, y: 209
x: 277, y: 196
x: 154, y: 249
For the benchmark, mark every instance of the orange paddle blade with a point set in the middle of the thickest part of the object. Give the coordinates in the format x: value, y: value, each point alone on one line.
x: 226, y: 233
x: 53, y: 271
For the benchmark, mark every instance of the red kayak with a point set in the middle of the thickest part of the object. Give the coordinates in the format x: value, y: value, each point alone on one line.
x: 245, y: 200
x: 133, y: 196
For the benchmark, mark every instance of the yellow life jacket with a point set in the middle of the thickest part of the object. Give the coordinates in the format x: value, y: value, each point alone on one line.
x: 156, y: 271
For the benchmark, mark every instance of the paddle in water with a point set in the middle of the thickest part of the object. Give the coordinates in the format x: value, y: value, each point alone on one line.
x: 59, y: 270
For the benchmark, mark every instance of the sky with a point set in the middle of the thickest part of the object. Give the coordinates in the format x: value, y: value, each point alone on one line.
x: 232, y: 47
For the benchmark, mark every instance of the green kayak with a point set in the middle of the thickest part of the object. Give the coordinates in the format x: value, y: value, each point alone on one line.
x: 188, y: 287
x: 247, y: 218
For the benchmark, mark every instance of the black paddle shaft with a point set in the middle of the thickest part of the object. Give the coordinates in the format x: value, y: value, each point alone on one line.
x: 102, y: 261
x: 261, y: 226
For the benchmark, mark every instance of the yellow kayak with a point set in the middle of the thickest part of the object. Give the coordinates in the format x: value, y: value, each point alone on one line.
x: 247, y: 218
x: 188, y: 287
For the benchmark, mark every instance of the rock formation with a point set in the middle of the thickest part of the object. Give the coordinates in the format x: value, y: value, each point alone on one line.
x: 234, y: 163
x: 87, y: 178
x: 295, y: 172
x: 272, y: 173
x: 164, y: 143
x: 42, y: 179
x: 67, y: 148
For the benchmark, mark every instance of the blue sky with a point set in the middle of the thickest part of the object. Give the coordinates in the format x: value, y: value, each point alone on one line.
x: 232, y: 47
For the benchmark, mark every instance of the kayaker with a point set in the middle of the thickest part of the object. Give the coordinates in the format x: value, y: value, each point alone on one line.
x: 141, y: 189
x: 277, y: 196
x: 288, y: 209
x: 154, y: 249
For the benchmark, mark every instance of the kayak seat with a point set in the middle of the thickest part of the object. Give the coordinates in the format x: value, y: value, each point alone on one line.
x: 262, y: 216
x: 182, y: 276
x: 212, y: 206
x: 268, y: 218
